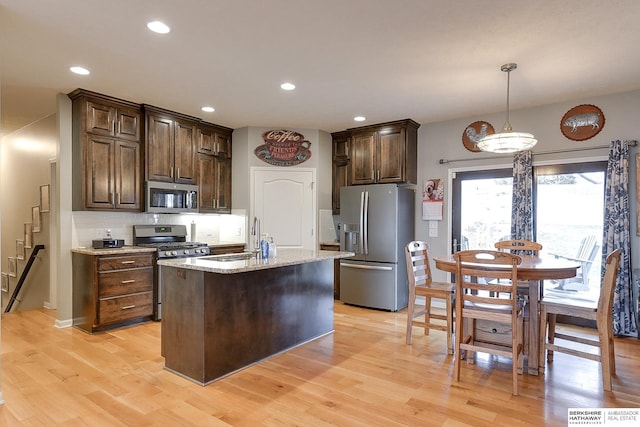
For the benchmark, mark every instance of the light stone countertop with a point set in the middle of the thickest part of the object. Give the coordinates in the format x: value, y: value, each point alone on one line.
x: 135, y: 249
x: 284, y: 258
x: 113, y: 251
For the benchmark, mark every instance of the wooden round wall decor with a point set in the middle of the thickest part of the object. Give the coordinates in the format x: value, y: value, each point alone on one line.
x: 474, y: 132
x: 582, y: 122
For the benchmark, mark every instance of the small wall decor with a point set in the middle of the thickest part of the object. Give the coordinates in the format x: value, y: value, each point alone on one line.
x: 35, y: 219
x: 474, y: 132
x: 20, y: 249
x: 5, y: 282
x: 283, y: 148
x: 582, y: 122
x: 13, y: 267
x: 432, y: 199
x: 27, y: 234
x: 44, y: 198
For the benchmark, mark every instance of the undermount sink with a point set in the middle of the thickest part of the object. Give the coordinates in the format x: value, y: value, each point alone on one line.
x: 240, y: 256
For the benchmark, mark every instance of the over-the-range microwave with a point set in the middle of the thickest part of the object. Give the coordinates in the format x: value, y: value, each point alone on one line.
x: 167, y: 197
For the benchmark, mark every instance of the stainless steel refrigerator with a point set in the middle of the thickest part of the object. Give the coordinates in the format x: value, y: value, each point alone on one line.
x: 377, y: 222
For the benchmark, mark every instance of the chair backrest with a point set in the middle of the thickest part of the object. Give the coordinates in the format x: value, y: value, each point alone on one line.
x: 475, y: 271
x: 417, y: 258
x: 519, y: 246
x: 586, y: 249
x: 605, y: 302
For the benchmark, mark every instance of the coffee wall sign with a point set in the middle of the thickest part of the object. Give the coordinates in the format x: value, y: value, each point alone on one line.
x: 283, y: 148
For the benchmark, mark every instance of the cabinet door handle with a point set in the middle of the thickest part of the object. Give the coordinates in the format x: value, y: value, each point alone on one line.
x: 128, y: 262
x: 118, y: 198
x: 171, y: 172
x: 177, y: 173
x: 124, y: 282
x: 128, y: 307
x: 113, y: 198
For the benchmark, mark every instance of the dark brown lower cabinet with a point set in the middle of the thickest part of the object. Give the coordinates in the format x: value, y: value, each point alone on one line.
x: 111, y: 291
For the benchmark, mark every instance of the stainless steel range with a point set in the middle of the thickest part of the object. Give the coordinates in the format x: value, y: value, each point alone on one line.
x: 170, y: 242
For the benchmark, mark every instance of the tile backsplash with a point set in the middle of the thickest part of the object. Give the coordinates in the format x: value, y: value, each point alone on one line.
x: 211, y: 229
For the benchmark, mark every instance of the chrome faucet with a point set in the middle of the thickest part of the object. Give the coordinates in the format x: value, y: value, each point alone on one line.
x: 255, y: 232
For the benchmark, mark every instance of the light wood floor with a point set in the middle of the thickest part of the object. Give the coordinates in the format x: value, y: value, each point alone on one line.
x: 362, y: 375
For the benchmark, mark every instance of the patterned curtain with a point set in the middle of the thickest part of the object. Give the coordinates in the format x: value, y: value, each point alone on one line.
x: 522, y: 202
x: 616, y: 234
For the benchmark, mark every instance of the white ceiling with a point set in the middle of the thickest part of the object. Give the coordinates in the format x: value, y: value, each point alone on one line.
x: 429, y: 60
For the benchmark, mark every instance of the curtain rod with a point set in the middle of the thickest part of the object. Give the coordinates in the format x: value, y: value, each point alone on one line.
x: 632, y: 143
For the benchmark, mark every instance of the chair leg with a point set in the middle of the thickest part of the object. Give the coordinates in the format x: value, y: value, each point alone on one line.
x: 552, y: 335
x: 515, y: 351
x: 448, y: 305
x: 410, y: 309
x: 427, y: 314
x: 542, y: 338
x: 612, y: 353
x: 606, y: 358
x: 457, y: 356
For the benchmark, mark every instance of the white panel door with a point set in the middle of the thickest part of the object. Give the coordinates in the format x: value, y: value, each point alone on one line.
x: 284, y: 201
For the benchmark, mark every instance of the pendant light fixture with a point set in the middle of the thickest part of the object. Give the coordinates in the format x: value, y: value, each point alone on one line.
x: 507, y: 141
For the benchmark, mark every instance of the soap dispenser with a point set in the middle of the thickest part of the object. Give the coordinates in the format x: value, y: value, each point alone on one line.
x: 264, y: 246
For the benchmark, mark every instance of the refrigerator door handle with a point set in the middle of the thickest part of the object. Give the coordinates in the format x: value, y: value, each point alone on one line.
x: 365, y: 229
x: 361, y: 220
x: 365, y: 267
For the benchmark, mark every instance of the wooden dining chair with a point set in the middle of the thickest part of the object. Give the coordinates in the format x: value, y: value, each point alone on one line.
x: 421, y: 284
x: 600, y: 311
x: 519, y: 246
x: 477, y: 300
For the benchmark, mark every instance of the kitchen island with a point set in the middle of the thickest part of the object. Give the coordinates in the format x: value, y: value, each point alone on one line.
x: 224, y: 313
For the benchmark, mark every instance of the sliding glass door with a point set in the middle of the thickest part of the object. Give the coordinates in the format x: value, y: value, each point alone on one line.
x: 569, y: 208
x: 568, y: 215
x: 481, y: 208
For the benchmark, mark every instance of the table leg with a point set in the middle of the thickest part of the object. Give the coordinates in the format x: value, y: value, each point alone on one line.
x: 534, y: 325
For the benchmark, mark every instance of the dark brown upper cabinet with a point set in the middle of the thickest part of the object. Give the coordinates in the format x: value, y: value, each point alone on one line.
x: 106, y: 153
x: 170, y: 146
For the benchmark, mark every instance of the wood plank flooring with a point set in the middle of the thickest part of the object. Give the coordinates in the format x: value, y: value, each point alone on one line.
x: 362, y: 375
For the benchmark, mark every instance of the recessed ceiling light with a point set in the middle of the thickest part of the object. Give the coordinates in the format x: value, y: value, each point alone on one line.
x: 359, y: 118
x: 158, y: 27
x: 288, y: 86
x: 208, y: 109
x: 80, y: 70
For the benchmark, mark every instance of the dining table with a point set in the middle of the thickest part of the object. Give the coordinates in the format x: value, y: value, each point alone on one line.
x: 534, y: 270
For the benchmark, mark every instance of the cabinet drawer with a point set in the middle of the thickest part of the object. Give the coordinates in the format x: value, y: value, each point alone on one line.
x: 500, y: 333
x: 493, y: 332
x: 122, y: 262
x: 127, y: 307
x: 122, y: 282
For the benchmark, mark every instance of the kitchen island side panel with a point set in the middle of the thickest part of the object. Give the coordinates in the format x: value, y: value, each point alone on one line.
x: 243, y: 318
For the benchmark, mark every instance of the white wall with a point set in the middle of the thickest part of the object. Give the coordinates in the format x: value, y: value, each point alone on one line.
x: 24, y: 168
x: 443, y: 140
x: 247, y: 139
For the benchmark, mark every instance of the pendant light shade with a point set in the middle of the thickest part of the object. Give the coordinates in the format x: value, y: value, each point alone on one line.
x: 507, y: 141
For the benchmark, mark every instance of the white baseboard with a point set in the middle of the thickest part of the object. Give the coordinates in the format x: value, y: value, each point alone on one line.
x: 63, y: 323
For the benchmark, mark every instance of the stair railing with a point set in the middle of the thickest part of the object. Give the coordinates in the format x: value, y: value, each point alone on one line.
x: 23, y: 277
